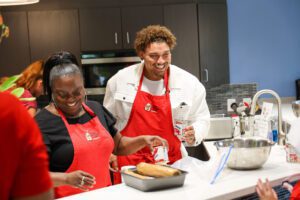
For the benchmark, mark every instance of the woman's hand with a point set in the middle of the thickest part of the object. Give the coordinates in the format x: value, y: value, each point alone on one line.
x: 129, y: 145
x: 189, y: 135
x: 113, y: 163
x: 265, y: 191
x: 80, y: 179
x: 152, y: 141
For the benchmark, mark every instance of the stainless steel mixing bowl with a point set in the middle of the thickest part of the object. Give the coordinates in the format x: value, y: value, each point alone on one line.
x: 247, y: 153
x: 296, y: 108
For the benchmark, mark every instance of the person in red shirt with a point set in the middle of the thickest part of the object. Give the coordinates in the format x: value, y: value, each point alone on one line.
x: 31, y: 81
x: 24, y: 161
x: 266, y: 192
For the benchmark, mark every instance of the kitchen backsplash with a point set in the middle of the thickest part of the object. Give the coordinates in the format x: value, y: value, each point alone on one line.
x: 217, y: 96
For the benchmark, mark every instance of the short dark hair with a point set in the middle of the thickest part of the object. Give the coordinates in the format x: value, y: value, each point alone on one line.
x: 58, y: 58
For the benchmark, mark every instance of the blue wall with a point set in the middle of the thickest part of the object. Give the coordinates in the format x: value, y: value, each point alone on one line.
x: 264, y: 43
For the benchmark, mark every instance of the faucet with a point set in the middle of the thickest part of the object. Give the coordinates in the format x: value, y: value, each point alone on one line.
x: 281, y: 134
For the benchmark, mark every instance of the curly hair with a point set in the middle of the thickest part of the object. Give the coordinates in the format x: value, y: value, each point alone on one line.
x: 153, y: 33
x: 31, y: 75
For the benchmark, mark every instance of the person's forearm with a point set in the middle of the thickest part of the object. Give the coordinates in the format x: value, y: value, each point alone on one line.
x: 31, y: 111
x: 58, y: 178
x: 130, y: 145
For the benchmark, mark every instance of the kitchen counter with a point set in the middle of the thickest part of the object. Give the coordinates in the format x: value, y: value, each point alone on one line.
x: 231, y: 184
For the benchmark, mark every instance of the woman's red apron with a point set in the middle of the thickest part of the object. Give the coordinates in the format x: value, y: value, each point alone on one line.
x: 93, y: 146
x: 150, y: 115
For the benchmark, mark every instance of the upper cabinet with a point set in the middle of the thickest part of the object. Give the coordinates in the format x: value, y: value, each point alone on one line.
x: 14, y: 50
x: 52, y: 31
x: 213, y: 43
x: 200, y: 28
x: 184, y: 26
x: 115, y: 28
x: 136, y: 18
x: 100, y: 29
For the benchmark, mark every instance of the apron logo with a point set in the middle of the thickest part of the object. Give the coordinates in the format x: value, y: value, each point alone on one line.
x: 148, y: 107
x: 88, y: 137
x: 151, y: 108
x: 91, y: 136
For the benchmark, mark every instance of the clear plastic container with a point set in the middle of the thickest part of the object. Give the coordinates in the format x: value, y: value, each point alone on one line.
x: 291, y: 154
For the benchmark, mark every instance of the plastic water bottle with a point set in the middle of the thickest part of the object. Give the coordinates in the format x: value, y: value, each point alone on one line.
x: 275, y: 135
x: 274, y: 130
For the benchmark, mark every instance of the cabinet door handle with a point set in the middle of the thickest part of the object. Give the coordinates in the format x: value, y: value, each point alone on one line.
x: 206, y: 75
x: 127, y: 36
x: 116, y: 38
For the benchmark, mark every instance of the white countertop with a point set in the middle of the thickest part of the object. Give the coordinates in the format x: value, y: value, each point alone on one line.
x: 229, y: 185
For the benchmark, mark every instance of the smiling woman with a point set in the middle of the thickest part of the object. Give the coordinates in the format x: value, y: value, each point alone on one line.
x: 68, y: 93
x: 79, y: 134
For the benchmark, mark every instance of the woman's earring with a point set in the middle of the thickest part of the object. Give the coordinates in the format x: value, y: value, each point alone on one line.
x: 53, y: 101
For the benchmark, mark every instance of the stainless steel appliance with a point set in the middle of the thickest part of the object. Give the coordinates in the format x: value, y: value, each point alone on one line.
x: 99, y: 67
x: 220, y: 128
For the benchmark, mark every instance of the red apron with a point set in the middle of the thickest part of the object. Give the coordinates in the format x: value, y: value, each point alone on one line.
x: 150, y: 115
x: 93, y: 146
x: 296, y: 192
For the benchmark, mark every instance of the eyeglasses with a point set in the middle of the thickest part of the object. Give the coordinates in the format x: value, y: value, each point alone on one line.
x: 156, y: 57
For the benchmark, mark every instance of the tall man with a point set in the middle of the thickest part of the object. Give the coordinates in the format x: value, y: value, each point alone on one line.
x: 155, y: 97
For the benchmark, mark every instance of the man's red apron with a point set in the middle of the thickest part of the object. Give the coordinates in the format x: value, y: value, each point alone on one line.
x: 93, y: 146
x: 150, y: 115
x: 296, y: 192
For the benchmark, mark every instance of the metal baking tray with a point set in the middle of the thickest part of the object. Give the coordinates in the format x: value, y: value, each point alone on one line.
x: 155, y: 183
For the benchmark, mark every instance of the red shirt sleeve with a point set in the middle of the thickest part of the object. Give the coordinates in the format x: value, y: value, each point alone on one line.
x: 296, y: 192
x: 25, y: 162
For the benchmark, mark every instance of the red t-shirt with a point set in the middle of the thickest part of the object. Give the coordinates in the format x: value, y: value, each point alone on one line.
x: 24, y: 161
x: 296, y: 192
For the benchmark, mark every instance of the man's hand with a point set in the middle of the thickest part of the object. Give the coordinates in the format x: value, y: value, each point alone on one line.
x: 189, y: 135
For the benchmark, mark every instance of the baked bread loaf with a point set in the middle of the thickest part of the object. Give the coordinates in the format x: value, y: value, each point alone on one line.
x: 147, y: 169
x: 127, y: 171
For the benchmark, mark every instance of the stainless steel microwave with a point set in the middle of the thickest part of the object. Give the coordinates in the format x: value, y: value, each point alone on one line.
x: 99, y: 67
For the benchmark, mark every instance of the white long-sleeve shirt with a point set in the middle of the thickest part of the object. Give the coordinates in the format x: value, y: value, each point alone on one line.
x: 187, y: 96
